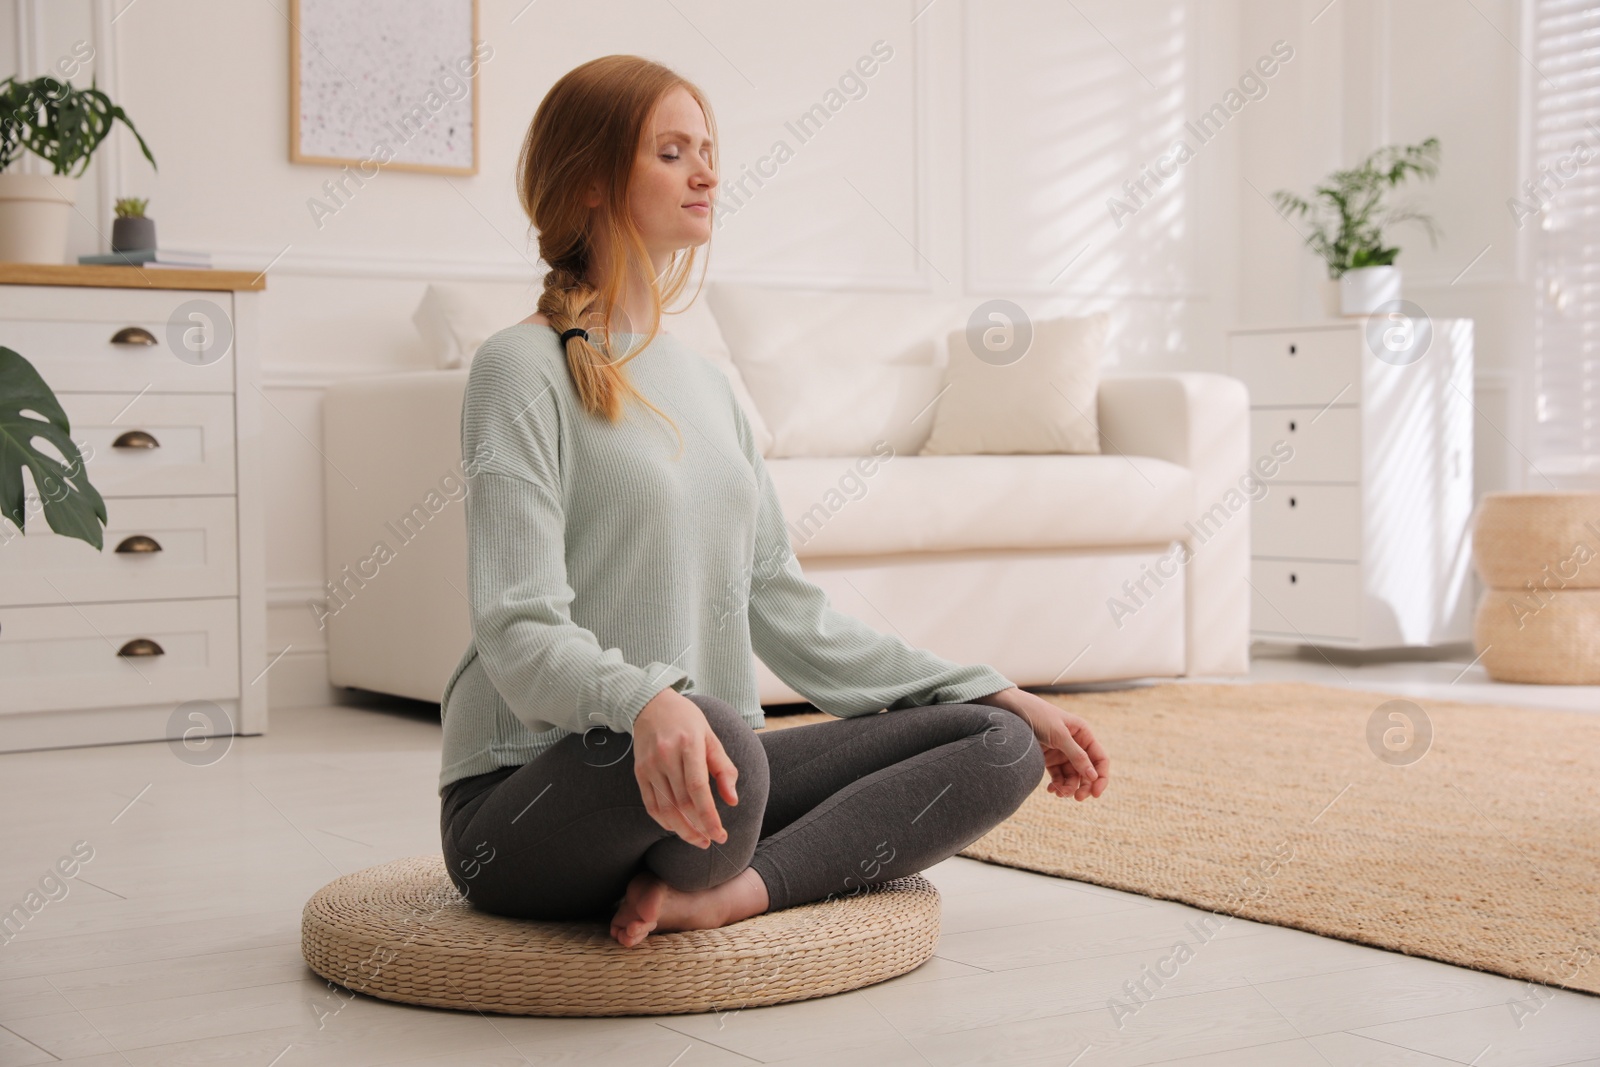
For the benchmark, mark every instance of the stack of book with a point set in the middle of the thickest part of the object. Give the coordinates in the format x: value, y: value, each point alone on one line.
x: 153, y: 257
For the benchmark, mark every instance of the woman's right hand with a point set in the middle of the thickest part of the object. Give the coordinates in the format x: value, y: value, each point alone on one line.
x: 675, y: 756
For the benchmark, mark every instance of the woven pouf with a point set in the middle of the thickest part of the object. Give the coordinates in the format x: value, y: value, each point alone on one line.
x: 401, y: 931
x: 1538, y: 555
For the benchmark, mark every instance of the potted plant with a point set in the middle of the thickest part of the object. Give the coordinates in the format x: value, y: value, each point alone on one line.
x: 1347, y: 214
x: 132, y: 231
x: 63, y: 125
x: 72, y: 506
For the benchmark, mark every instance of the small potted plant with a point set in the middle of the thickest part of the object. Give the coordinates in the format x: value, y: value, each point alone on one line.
x: 1347, y: 214
x: 63, y: 125
x: 132, y: 231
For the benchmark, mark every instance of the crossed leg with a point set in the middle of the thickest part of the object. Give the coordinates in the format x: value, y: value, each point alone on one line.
x: 824, y: 810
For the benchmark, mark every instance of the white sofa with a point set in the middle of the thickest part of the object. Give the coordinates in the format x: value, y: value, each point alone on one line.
x: 1017, y: 561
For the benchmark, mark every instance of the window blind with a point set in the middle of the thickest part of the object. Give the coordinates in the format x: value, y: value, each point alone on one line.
x: 1564, y: 188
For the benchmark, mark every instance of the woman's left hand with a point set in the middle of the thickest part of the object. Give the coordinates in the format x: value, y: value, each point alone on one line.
x: 1078, y: 764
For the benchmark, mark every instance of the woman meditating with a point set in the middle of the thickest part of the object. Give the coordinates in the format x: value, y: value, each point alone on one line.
x: 627, y: 556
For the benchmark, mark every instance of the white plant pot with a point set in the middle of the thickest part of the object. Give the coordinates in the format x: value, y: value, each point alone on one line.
x: 34, y: 212
x: 1364, y: 291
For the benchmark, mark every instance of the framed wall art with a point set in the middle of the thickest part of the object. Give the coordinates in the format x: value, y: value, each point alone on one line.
x: 389, y: 83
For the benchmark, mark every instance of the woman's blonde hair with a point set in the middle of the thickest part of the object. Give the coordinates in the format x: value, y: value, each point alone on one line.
x: 587, y: 131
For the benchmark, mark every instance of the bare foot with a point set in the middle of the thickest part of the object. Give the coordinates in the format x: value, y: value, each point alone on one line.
x: 651, y: 904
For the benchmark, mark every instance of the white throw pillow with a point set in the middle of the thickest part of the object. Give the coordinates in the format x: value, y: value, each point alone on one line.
x: 454, y: 318
x: 829, y: 408
x: 1043, y: 402
x: 763, y: 324
x: 834, y: 372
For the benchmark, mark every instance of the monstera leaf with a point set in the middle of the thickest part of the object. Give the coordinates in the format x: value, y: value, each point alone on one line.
x: 72, y: 506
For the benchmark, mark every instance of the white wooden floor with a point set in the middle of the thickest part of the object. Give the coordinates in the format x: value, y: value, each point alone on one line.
x: 179, y: 941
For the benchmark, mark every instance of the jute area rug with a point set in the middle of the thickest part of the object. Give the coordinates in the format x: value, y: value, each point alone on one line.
x: 1467, y: 833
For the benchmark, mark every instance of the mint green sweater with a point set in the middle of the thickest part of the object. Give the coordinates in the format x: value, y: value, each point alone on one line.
x: 602, y: 569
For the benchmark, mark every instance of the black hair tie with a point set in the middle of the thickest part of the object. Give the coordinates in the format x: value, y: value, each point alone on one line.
x: 574, y: 332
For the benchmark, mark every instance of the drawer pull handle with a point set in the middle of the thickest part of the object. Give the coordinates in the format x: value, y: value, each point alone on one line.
x: 133, y: 335
x: 141, y: 646
x: 1291, y: 349
x: 139, y: 543
x: 1291, y: 426
x: 1291, y: 502
x: 1292, y: 578
x: 135, y: 439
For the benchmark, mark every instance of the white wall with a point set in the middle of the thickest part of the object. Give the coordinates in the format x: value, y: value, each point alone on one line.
x: 1379, y: 72
x: 979, y: 162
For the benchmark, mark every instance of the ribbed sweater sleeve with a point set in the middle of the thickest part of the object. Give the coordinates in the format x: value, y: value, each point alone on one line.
x: 549, y: 670
x: 834, y: 660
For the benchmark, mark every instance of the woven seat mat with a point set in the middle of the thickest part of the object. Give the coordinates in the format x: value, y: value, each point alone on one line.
x: 401, y: 931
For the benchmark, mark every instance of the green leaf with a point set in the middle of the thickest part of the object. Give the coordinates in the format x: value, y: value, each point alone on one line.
x: 72, y: 506
x: 1375, y: 257
x: 1347, y: 211
x: 58, y: 122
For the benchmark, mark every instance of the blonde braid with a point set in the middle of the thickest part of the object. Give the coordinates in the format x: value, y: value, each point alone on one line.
x: 568, y: 302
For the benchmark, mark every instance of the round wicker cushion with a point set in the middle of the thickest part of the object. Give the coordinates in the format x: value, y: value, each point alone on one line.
x: 1557, y: 644
x: 1538, y: 554
x: 1516, y: 535
x: 401, y: 931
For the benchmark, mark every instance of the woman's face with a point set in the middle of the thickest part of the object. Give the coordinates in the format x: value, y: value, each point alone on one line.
x: 673, y: 186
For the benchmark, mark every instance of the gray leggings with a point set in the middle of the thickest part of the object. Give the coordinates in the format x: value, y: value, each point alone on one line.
x: 824, y: 810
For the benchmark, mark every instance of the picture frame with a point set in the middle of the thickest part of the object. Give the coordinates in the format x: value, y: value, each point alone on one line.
x: 402, y: 107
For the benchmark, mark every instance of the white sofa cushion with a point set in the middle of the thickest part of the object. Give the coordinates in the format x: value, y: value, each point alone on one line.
x: 1043, y: 401
x: 870, y: 505
x: 835, y: 372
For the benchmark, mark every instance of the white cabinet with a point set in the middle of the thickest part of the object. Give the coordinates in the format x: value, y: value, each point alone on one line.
x: 1361, y: 432
x: 157, y: 373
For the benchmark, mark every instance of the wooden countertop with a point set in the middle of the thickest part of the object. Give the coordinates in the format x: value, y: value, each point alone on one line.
x: 106, y: 275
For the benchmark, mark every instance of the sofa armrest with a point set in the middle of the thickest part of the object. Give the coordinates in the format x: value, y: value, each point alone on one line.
x: 1201, y: 421
x: 395, y: 614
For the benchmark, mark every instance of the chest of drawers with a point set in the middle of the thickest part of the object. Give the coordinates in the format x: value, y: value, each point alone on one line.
x: 1361, y: 538
x: 162, y: 633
